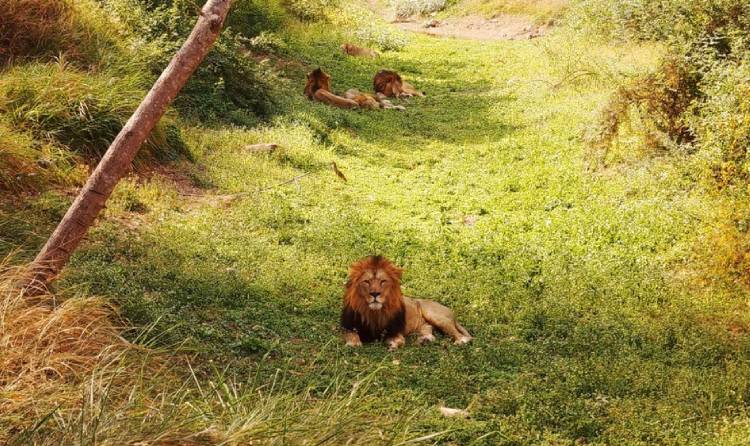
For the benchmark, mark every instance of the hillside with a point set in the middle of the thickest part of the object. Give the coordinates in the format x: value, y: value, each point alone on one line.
x: 599, y: 281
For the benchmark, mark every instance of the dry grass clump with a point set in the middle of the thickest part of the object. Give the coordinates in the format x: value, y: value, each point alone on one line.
x: 658, y: 102
x: 30, y: 26
x: 47, y: 349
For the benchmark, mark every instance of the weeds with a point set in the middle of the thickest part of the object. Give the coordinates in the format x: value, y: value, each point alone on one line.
x: 408, y: 8
x: 81, y: 111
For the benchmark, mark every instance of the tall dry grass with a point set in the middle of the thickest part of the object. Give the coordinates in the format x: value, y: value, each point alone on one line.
x: 29, y: 26
x: 47, y: 349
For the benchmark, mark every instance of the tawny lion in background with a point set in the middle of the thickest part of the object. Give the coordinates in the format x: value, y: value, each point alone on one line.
x: 358, y: 51
x: 318, y: 87
x: 389, y: 83
x: 375, y: 309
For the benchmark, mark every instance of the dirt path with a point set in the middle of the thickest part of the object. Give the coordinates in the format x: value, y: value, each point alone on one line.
x: 503, y: 27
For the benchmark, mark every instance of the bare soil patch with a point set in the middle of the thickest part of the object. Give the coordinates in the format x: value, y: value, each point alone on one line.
x: 503, y: 27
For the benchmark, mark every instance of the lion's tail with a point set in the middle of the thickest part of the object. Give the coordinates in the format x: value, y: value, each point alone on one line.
x: 461, y: 329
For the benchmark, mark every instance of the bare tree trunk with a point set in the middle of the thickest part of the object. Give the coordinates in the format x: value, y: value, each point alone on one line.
x: 116, y: 161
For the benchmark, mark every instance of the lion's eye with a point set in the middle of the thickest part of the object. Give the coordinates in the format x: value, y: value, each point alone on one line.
x: 367, y: 282
x: 382, y: 282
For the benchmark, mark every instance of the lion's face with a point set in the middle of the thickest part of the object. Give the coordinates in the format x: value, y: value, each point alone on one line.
x: 374, y: 285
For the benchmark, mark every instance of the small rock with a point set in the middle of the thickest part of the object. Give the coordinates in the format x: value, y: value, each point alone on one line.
x: 432, y: 23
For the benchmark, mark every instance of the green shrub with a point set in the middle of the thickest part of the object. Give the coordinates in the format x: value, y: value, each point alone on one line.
x: 228, y: 85
x: 722, y: 123
x: 408, y: 8
x: 81, y: 111
x: 674, y: 21
x: 707, y: 41
x: 369, y: 29
x: 311, y: 10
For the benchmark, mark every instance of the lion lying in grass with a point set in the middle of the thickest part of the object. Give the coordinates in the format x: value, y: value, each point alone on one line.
x: 358, y: 51
x: 375, y: 309
x: 318, y: 87
x: 390, y: 84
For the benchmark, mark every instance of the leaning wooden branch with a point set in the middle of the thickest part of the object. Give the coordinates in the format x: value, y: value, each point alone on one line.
x: 118, y: 158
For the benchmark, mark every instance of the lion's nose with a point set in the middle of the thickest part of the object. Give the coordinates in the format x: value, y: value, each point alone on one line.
x: 374, y: 294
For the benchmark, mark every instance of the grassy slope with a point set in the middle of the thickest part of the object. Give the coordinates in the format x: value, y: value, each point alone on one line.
x: 567, y: 279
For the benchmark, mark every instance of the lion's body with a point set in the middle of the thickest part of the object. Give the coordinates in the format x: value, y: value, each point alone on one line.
x: 331, y: 99
x: 375, y: 309
x: 318, y: 87
x: 358, y: 51
x: 390, y: 84
x: 364, y: 100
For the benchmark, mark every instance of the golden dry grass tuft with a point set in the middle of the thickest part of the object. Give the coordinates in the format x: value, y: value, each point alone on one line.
x: 47, y: 348
x: 29, y: 25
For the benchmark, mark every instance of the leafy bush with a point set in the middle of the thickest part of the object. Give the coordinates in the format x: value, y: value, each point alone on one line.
x: 722, y: 123
x: 674, y: 21
x: 228, y: 85
x: 311, y: 10
x: 81, y: 111
x: 697, y: 102
x: 408, y: 8
x: 677, y: 101
x: 370, y: 29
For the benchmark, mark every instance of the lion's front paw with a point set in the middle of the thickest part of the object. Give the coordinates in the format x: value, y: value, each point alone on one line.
x: 395, y: 343
x: 354, y: 343
x: 426, y: 339
x: 463, y: 340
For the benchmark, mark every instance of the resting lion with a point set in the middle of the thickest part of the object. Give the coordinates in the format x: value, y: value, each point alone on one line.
x: 318, y: 87
x: 390, y: 84
x: 358, y: 51
x: 375, y: 309
x: 364, y: 100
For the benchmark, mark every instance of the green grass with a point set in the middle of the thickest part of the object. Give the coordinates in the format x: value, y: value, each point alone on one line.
x: 576, y: 283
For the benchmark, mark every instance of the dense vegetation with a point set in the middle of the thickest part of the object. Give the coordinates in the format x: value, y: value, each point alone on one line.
x: 577, y: 199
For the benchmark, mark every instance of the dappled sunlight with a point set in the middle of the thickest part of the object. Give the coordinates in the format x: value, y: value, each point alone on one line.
x: 583, y: 283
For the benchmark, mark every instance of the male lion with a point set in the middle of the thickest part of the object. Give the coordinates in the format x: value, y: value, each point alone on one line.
x: 390, y: 84
x: 318, y: 87
x: 358, y: 51
x: 375, y: 309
